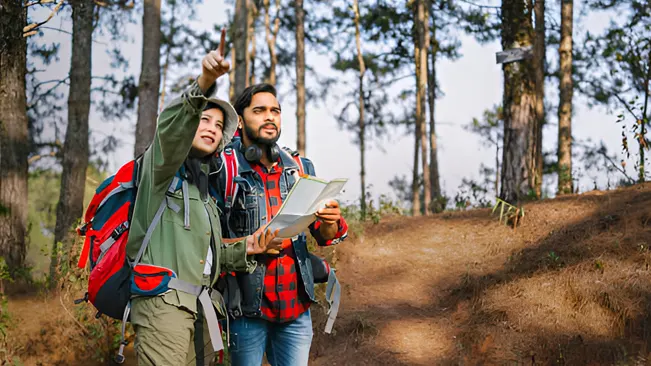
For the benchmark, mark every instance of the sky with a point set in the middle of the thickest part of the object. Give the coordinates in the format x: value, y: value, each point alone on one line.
x: 470, y: 84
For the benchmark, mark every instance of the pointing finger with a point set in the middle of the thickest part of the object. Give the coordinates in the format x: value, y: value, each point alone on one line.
x: 222, y: 42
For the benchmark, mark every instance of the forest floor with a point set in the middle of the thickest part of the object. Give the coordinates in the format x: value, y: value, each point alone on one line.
x: 571, y: 285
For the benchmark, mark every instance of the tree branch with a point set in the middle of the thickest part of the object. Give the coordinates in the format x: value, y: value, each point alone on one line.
x: 124, y: 4
x: 38, y: 157
x: 30, y: 30
x: 623, y: 102
x: 480, y: 5
x: 38, y: 2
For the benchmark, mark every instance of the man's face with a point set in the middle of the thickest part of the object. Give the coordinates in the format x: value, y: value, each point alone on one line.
x: 261, y: 119
x: 209, y: 133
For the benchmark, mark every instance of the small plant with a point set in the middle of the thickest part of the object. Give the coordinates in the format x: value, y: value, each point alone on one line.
x: 508, y: 212
x: 554, y: 259
x: 599, y: 265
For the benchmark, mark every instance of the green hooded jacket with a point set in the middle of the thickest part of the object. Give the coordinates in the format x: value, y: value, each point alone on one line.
x: 173, y: 244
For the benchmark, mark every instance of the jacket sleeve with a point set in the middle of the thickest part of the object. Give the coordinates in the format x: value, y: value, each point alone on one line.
x: 234, y: 258
x: 342, y: 232
x: 175, y: 129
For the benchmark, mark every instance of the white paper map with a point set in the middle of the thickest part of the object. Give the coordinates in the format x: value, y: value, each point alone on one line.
x: 307, y: 196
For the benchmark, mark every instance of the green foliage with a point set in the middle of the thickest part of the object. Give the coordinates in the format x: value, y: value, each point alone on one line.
x: 7, y: 323
x: 614, y: 71
x: 472, y: 194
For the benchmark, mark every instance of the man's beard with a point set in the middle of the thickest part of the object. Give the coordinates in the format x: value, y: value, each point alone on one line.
x: 256, y: 138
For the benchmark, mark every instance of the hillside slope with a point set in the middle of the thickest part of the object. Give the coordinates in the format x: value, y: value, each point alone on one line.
x: 571, y: 285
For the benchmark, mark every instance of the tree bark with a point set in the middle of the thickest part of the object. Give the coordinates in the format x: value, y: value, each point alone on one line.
x: 250, y: 67
x: 415, y: 185
x: 271, y: 36
x: 362, y: 126
x: 300, y: 77
x: 75, y: 147
x: 518, y: 105
x: 539, y: 71
x: 421, y: 102
x: 168, y: 52
x: 431, y: 94
x: 240, y: 38
x: 14, y: 142
x: 565, y: 182
x: 149, y: 83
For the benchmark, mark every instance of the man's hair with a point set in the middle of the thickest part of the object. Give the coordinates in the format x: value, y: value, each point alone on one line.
x: 244, y: 100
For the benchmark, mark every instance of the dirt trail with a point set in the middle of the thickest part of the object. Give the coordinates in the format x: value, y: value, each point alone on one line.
x: 572, y: 285
x: 568, y: 286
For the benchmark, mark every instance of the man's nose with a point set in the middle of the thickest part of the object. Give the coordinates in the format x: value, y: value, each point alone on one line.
x: 270, y: 117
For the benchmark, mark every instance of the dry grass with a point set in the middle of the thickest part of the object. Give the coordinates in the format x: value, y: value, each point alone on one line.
x: 570, y: 286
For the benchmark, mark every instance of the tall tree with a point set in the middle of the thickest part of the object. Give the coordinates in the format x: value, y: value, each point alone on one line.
x: 614, y: 69
x: 240, y: 42
x: 300, y: 76
x: 169, y: 45
x: 519, y: 102
x: 539, y: 76
x: 422, y: 32
x: 75, y: 148
x: 362, y: 127
x: 271, y: 35
x: 14, y: 141
x: 565, y: 105
x: 149, y: 76
x: 251, y: 42
x: 433, y: 44
x: 491, y: 130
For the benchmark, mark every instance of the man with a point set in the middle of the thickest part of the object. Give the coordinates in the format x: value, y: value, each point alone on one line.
x: 275, y: 299
x: 174, y: 318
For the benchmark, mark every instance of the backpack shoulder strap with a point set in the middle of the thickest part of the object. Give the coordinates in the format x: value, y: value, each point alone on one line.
x: 231, y: 168
x: 297, y: 158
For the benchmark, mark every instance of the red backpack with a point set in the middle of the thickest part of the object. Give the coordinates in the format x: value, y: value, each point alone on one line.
x: 113, y: 278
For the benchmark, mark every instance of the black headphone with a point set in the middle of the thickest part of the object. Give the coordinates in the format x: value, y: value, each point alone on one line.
x: 253, y: 153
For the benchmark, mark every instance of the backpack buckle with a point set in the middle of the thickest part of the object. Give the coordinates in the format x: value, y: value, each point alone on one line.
x: 119, y: 230
x: 82, y: 229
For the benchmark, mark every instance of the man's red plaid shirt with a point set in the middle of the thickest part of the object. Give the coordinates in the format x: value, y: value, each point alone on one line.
x: 283, y: 298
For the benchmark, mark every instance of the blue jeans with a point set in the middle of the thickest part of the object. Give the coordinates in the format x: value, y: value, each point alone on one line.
x: 285, y: 343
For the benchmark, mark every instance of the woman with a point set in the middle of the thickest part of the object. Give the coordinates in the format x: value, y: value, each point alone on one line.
x: 185, y: 252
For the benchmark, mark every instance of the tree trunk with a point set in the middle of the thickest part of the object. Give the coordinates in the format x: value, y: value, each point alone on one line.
x: 149, y: 83
x: 539, y: 71
x: 362, y: 127
x: 433, y: 153
x: 250, y: 66
x: 415, y: 185
x: 300, y: 77
x: 421, y: 101
x: 75, y: 147
x: 271, y: 36
x: 240, y: 38
x: 519, y: 106
x: 642, y: 138
x: 168, y: 52
x: 14, y: 143
x: 565, y: 183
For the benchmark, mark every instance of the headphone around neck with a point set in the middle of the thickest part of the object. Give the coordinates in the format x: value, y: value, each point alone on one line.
x: 253, y: 153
